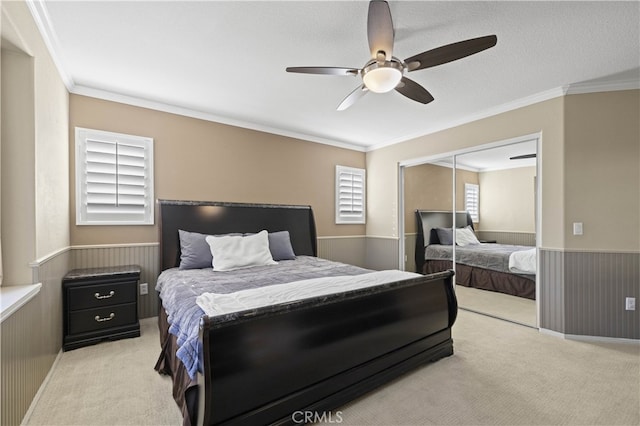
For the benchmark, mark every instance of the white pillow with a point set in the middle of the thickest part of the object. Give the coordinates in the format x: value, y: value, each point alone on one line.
x: 235, y: 252
x: 465, y: 237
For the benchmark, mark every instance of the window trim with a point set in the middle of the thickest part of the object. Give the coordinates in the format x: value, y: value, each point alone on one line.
x: 350, y: 218
x: 82, y: 216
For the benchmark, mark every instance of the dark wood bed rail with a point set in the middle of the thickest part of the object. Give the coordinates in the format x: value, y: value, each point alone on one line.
x: 312, y: 355
x: 316, y: 356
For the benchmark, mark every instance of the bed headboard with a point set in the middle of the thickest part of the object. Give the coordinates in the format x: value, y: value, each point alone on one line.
x: 211, y: 218
x: 427, y: 221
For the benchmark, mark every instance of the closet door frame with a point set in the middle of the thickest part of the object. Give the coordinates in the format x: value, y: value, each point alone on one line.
x: 453, y: 155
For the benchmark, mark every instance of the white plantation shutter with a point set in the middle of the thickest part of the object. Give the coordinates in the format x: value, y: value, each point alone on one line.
x: 472, y: 201
x: 350, y: 195
x: 114, y: 178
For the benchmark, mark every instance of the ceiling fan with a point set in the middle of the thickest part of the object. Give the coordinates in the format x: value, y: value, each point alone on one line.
x: 384, y: 72
x: 522, y: 157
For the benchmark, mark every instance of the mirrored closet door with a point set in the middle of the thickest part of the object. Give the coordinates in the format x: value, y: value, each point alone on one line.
x: 497, y: 188
x: 501, y: 280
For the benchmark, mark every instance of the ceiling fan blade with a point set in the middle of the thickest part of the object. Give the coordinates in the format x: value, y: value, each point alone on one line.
x: 450, y: 52
x: 414, y: 91
x: 380, y: 29
x: 351, y: 99
x: 324, y: 70
x: 521, y: 157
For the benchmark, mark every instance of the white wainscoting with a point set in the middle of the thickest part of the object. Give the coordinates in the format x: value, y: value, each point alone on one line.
x: 147, y: 256
x: 32, y: 338
x: 513, y: 238
x: 349, y: 249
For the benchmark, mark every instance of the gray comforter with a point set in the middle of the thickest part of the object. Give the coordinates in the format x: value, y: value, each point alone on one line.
x: 179, y: 289
x: 487, y: 256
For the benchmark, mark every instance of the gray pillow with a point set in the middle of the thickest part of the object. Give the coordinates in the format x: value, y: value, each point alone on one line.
x: 280, y: 246
x: 195, y: 253
x: 445, y: 235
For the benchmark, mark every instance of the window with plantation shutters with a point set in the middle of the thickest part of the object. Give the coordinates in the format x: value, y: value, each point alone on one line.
x: 350, y: 195
x: 114, y: 178
x: 472, y: 201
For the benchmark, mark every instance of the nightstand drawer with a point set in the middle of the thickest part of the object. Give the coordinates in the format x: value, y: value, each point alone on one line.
x: 99, y: 304
x: 90, y: 320
x: 100, y: 295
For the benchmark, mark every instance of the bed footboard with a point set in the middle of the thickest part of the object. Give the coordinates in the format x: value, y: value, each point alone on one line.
x: 316, y: 355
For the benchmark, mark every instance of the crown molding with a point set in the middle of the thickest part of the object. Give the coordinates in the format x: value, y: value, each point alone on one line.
x: 571, y: 89
x: 518, y: 103
x: 609, y: 86
x: 40, y: 15
x: 187, y: 112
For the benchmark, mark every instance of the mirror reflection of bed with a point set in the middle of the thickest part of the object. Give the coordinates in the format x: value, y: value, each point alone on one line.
x: 491, y: 278
x: 506, y: 224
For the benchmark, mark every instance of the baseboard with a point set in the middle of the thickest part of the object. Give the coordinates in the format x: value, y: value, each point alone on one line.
x: 590, y: 339
x: 43, y: 385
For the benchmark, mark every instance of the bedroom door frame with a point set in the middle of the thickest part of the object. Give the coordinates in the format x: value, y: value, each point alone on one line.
x: 453, y: 154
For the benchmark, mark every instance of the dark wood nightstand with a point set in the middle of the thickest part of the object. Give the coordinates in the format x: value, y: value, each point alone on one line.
x: 100, y: 304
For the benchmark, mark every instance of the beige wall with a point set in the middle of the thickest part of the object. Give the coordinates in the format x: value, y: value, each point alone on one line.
x: 35, y: 206
x: 35, y: 191
x: 545, y: 117
x: 52, y: 160
x: 602, y: 170
x: 202, y: 160
x: 18, y: 170
x: 589, y: 163
x: 430, y: 187
x: 507, y: 200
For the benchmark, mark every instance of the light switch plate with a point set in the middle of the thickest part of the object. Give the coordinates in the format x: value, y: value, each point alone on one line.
x: 577, y: 228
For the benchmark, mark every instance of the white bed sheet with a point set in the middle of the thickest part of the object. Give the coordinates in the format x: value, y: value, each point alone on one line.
x: 523, y: 262
x: 214, y: 304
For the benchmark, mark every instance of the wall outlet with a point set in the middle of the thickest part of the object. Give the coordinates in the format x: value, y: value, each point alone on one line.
x: 144, y: 288
x: 630, y: 304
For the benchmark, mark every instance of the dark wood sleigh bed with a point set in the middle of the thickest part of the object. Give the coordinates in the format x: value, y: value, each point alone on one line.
x: 469, y: 276
x: 312, y: 355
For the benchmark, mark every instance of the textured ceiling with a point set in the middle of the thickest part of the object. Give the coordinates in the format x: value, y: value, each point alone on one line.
x: 226, y: 61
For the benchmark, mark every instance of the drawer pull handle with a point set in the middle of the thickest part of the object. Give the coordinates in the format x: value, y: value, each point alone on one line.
x: 98, y: 296
x: 109, y: 318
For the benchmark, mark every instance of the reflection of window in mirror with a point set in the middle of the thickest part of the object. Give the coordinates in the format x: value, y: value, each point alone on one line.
x: 472, y: 201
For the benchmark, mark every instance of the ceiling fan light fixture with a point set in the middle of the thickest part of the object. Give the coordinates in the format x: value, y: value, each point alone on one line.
x: 385, y: 72
x: 382, y: 78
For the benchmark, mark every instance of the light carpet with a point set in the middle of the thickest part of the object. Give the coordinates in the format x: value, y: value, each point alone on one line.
x: 111, y: 383
x: 501, y: 373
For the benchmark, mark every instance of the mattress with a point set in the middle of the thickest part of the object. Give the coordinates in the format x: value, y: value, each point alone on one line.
x: 179, y: 290
x: 488, y: 256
